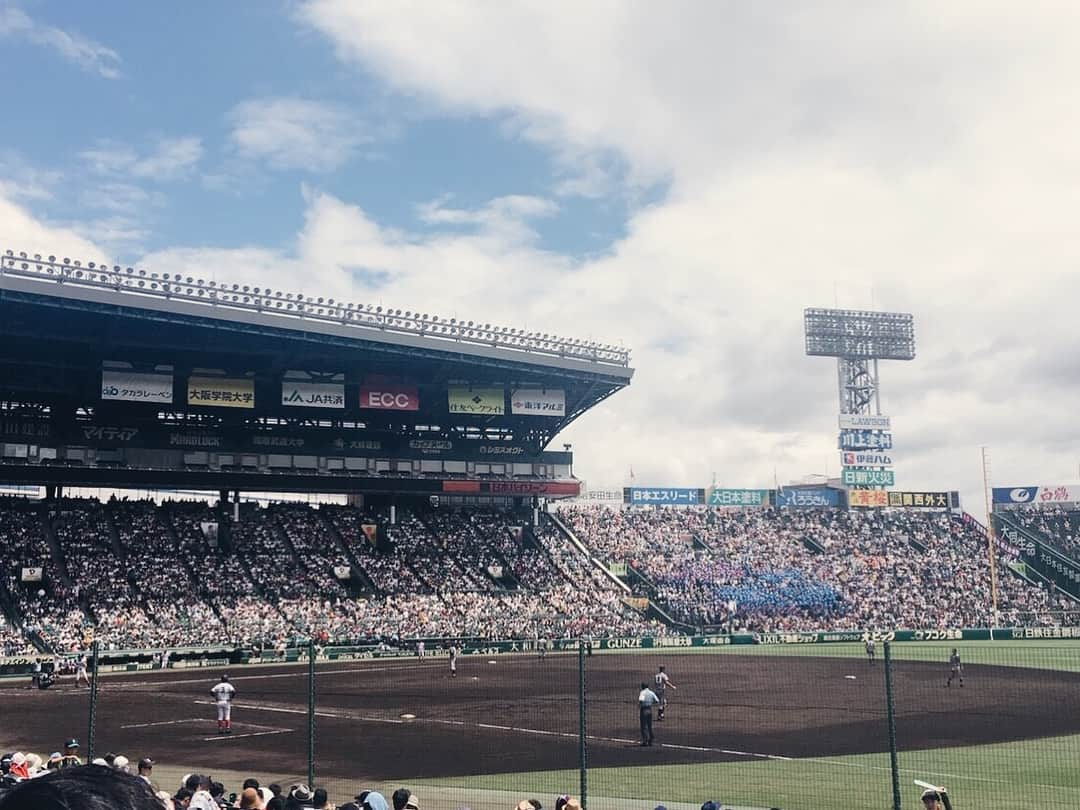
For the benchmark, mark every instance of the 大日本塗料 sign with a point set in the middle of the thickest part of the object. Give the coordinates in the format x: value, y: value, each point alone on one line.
x: 738, y: 497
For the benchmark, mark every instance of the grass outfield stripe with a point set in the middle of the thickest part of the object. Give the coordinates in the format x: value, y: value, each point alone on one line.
x: 1021, y: 774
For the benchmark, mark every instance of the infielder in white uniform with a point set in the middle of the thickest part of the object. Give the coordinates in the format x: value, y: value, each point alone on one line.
x: 80, y: 671
x: 662, y: 684
x: 223, y: 695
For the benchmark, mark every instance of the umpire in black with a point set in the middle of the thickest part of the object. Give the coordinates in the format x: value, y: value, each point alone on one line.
x: 646, y: 700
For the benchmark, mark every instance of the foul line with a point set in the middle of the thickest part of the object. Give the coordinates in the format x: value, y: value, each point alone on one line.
x: 164, y: 684
x: 222, y: 737
x: 165, y: 723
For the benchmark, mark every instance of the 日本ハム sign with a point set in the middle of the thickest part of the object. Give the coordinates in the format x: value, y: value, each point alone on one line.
x: 663, y: 495
x: 853, y: 459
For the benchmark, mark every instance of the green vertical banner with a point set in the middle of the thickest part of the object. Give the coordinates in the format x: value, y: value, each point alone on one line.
x: 583, y: 743
x: 311, y: 716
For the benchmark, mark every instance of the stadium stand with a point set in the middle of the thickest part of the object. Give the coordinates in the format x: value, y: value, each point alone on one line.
x: 809, y: 569
x: 1060, y: 528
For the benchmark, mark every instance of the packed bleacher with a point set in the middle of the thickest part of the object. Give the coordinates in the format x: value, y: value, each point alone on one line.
x: 776, y: 570
x: 1058, y: 527
x: 134, y: 574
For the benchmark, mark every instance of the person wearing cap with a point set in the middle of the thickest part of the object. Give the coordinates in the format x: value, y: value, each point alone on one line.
x: 223, y: 693
x: 300, y: 798
x: 71, y: 754
x: 121, y: 763
x: 146, y: 770
x: 413, y: 803
x: 646, y: 700
x: 710, y: 805
x: 54, y: 761
x: 936, y: 799
x: 373, y: 800
x: 199, y: 785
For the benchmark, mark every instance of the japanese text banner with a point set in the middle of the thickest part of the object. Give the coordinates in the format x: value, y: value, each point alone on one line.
x: 128, y: 386
x: 538, y: 402
x: 479, y: 401
x: 221, y: 392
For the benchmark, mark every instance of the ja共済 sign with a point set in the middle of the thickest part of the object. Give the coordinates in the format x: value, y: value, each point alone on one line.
x: 312, y: 395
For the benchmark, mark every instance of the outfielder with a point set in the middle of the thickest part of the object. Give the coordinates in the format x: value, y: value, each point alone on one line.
x: 661, y: 683
x: 870, y: 650
x: 956, y: 669
x: 453, y: 661
x: 223, y: 696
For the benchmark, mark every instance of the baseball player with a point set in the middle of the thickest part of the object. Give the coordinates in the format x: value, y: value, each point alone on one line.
x: 870, y: 650
x: 80, y: 671
x: 956, y: 669
x: 661, y: 683
x: 646, y: 700
x: 453, y: 661
x: 936, y: 799
x: 223, y: 694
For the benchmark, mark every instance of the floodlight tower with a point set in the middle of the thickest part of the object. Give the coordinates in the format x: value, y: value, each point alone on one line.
x: 857, y: 340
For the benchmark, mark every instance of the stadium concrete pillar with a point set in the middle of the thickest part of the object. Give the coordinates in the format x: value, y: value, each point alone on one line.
x: 393, y: 514
x: 236, y: 507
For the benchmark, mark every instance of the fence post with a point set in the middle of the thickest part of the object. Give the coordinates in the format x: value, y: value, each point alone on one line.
x: 890, y: 709
x: 311, y: 715
x: 583, y: 751
x: 93, y: 701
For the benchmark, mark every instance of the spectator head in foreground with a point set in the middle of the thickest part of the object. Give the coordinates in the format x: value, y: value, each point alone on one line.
x: 251, y: 799
x: 93, y: 787
x: 932, y: 799
x: 399, y: 797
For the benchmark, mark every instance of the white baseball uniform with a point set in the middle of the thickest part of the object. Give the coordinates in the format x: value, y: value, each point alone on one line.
x: 223, y: 694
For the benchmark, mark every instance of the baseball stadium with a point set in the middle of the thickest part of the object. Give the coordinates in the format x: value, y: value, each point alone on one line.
x: 340, y: 549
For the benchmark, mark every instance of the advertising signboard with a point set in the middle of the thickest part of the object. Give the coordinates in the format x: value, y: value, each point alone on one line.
x: 221, y: 392
x: 127, y: 386
x: 389, y: 397
x: 1019, y: 496
x: 858, y: 476
x: 312, y: 395
x: 479, y: 401
x: 538, y: 402
x: 920, y: 500
x: 868, y: 497
x: 851, y: 458
x: 659, y: 496
x: 738, y: 497
x: 807, y: 497
x: 864, y: 440
x: 863, y: 421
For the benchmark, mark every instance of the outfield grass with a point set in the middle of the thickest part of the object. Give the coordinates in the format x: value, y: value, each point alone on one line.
x: 1042, y: 773
x: 1033, y: 773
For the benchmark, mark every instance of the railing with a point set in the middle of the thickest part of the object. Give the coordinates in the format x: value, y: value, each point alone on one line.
x: 297, y: 306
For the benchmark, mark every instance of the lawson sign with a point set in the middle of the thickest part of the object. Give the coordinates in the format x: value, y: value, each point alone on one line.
x: 808, y: 497
x: 864, y: 421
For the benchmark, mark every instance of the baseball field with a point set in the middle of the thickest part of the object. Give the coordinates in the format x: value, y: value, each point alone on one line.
x: 794, y: 727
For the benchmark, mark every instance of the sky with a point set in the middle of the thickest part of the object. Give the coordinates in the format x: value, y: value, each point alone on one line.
x: 680, y: 178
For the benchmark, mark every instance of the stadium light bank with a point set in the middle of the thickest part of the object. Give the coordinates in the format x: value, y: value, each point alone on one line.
x: 298, y: 306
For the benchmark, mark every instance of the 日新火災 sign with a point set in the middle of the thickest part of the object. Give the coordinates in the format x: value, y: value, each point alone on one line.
x: 857, y: 476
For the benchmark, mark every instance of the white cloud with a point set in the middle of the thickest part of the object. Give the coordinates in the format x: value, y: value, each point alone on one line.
x: 296, y: 133
x: 170, y: 159
x: 84, y: 52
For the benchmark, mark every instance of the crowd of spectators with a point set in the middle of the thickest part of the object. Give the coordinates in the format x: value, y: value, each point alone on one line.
x: 777, y: 570
x: 1059, y: 527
